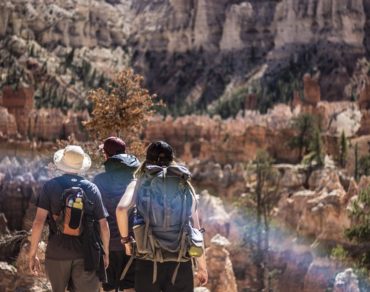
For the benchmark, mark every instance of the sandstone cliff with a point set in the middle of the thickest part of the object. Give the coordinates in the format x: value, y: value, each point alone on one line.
x: 192, y: 51
x: 206, y: 44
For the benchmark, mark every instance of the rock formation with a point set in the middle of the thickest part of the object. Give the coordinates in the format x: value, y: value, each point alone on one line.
x: 220, y: 271
x: 19, y: 103
x: 364, y: 96
x: 321, y: 211
x: 8, y: 125
x: 293, y: 264
x: 8, y: 277
x: 213, y: 216
x: 46, y: 125
x: 193, y: 51
x: 365, y: 124
x: 238, y: 140
x: 346, y: 282
x: 312, y: 93
x: 320, y: 275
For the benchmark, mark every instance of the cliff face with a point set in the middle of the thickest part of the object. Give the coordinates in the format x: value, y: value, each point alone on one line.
x: 195, y: 50
x: 203, y: 45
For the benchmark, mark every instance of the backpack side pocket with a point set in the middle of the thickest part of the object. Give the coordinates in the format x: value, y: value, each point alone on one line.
x: 196, y: 242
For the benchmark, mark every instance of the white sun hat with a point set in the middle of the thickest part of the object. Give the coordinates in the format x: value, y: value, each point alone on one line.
x: 72, y: 159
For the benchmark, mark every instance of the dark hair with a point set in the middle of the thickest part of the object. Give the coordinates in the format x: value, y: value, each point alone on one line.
x: 159, y: 153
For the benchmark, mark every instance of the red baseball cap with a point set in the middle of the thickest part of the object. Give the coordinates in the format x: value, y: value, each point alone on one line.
x: 113, y: 146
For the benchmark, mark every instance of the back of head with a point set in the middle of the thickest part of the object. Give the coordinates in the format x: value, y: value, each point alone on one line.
x: 159, y: 153
x: 113, y: 146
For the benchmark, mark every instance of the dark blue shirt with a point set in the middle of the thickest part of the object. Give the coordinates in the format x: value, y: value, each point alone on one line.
x: 63, y: 247
x: 119, y: 171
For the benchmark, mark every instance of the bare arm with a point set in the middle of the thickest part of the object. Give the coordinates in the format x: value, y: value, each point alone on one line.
x: 127, y: 201
x: 202, y: 273
x: 104, y: 234
x: 201, y: 260
x: 37, y: 227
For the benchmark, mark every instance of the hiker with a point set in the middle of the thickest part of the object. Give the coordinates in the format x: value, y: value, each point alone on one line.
x: 164, y: 211
x: 119, y: 171
x: 76, y: 254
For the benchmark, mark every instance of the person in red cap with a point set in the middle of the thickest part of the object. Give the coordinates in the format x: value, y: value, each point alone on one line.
x: 112, y: 183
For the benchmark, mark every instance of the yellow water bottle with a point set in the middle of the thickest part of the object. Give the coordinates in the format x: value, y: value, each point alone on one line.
x: 78, y: 204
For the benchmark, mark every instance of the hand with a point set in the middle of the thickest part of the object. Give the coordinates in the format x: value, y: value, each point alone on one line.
x: 106, y: 260
x: 128, y: 248
x: 202, y: 276
x: 34, y: 264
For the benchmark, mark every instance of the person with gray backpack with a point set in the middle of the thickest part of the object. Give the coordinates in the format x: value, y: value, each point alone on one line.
x: 165, y: 225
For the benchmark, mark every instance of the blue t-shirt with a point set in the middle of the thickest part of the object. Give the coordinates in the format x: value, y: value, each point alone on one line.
x: 64, y: 247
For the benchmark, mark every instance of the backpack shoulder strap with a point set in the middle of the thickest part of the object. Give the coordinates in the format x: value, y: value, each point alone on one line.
x: 194, y: 196
x: 52, y: 223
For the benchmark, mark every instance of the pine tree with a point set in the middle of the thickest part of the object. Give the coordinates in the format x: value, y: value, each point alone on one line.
x: 86, y: 68
x: 305, y: 125
x: 91, y: 82
x: 69, y: 58
x: 360, y: 215
x: 316, y: 148
x: 343, y: 150
x: 265, y: 197
x: 102, y: 81
x: 359, y: 212
x: 364, y: 165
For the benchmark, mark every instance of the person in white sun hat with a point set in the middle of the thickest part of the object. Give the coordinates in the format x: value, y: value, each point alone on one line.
x: 72, y: 159
x: 74, y: 211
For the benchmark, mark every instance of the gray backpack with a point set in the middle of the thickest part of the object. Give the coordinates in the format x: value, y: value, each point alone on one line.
x: 164, y: 199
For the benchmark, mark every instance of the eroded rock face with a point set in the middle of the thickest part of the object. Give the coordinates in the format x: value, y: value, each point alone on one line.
x: 241, y: 138
x: 46, y: 125
x: 312, y: 93
x: 3, y: 225
x: 220, y: 272
x: 8, y: 276
x: 243, y: 33
x: 238, y: 140
x: 321, y: 213
x: 346, y: 281
x: 213, y: 216
x: 73, y: 125
x: 67, y: 22
x: 193, y: 50
x: 8, y: 125
x: 19, y: 102
x: 320, y: 275
x: 364, y: 96
x: 293, y: 264
x: 365, y: 124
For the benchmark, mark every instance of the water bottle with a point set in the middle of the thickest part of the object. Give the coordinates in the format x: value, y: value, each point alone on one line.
x: 78, y: 204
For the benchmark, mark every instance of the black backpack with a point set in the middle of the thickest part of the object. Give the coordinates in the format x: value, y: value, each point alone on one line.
x: 70, y: 219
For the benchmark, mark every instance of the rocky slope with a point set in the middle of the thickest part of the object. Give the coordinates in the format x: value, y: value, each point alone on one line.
x: 193, y: 51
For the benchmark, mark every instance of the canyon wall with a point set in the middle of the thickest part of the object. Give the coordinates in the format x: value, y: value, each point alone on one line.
x: 206, y: 45
x: 195, y: 51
